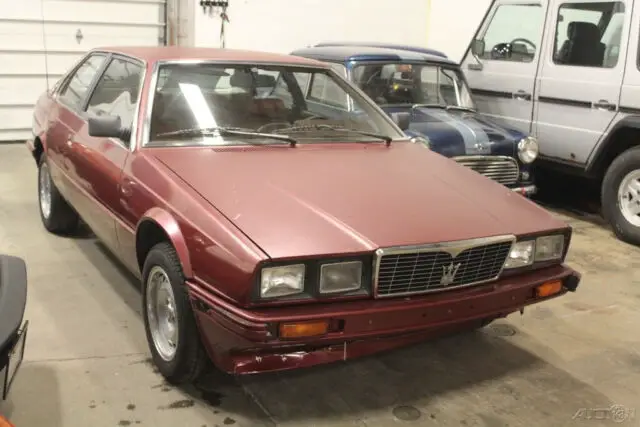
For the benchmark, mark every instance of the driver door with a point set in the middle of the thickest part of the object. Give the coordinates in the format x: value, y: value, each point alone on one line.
x: 502, y: 76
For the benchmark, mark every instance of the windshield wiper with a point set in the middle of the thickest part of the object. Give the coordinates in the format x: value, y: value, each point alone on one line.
x: 460, y: 108
x: 224, y: 131
x: 303, y: 128
x: 414, y: 106
x: 444, y: 107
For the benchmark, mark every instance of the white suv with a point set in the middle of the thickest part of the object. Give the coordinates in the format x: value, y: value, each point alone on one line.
x: 568, y: 72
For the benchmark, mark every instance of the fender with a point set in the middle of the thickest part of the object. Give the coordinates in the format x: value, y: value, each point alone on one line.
x: 168, y: 223
x: 599, y: 156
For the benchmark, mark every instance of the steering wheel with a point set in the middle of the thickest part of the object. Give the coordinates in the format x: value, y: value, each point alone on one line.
x: 272, y: 126
x: 525, y: 41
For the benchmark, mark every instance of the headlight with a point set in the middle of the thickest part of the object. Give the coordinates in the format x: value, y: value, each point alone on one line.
x: 528, y: 149
x: 549, y: 247
x: 544, y: 248
x: 282, y: 281
x: 340, y: 277
x: 521, y: 254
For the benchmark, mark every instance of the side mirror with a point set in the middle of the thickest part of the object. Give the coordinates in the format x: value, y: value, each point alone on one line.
x: 106, y: 126
x: 477, y: 47
x: 402, y: 119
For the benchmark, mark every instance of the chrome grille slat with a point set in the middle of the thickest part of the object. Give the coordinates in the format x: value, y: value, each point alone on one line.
x: 502, y: 169
x: 403, y: 271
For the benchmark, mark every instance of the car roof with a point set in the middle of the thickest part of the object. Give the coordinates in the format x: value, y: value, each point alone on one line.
x: 345, y: 53
x: 171, y: 53
x: 426, y: 50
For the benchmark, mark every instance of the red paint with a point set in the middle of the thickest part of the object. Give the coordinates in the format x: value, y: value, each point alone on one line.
x: 228, y: 209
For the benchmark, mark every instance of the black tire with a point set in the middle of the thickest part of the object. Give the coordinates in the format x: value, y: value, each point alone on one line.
x: 622, y: 165
x: 61, y: 218
x: 189, y: 361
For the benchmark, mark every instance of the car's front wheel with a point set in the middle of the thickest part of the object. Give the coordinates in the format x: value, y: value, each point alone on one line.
x: 169, y: 320
x: 621, y: 196
x: 56, y: 214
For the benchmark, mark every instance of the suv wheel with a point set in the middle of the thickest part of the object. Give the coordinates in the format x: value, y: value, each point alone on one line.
x: 621, y: 196
x: 169, y: 321
x: 56, y: 214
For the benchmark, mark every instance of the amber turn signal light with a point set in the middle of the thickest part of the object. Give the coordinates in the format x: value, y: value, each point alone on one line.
x: 304, y: 329
x: 4, y: 422
x: 548, y: 289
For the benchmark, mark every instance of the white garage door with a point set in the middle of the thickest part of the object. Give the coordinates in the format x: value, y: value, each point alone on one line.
x: 41, y: 39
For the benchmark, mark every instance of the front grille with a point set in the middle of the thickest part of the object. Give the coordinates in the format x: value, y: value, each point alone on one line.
x: 503, y: 169
x: 440, y: 267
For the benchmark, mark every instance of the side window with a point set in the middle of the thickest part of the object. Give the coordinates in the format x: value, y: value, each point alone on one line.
x: 325, y: 90
x: 589, y: 34
x: 77, y: 86
x: 281, y: 89
x: 117, y: 91
x: 513, y: 33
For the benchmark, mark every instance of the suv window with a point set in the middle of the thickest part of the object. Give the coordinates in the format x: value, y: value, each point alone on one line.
x: 117, y: 91
x: 513, y: 33
x: 589, y: 34
x: 77, y: 86
x: 324, y: 90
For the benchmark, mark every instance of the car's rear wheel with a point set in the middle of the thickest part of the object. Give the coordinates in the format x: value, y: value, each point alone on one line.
x: 621, y: 196
x: 56, y: 214
x: 170, y: 324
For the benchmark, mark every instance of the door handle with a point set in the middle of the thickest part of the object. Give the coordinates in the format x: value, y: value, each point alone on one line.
x: 603, y: 104
x: 520, y: 94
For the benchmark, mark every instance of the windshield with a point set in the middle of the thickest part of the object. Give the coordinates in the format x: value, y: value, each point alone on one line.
x: 230, y: 104
x: 404, y: 84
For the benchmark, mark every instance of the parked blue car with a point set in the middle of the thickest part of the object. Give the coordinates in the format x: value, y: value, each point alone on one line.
x: 433, y: 89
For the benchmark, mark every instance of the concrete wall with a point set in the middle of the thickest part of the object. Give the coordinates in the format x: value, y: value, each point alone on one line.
x: 284, y: 25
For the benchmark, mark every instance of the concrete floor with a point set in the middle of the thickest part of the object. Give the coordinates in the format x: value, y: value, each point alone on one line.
x: 87, y: 361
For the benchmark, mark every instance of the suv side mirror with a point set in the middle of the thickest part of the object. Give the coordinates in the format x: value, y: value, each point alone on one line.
x: 107, y: 126
x: 402, y: 119
x: 477, y: 47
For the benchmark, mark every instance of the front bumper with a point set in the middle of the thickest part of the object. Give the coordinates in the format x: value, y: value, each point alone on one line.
x: 13, y: 332
x: 242, y: 341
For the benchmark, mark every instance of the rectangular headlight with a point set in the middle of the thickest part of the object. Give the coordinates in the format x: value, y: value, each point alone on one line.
x: 282, y: 281
x: 340, y: 277
x: 549, y: 247
x: 521, y: 254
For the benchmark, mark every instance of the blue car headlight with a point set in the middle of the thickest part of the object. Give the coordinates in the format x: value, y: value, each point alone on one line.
x: 528, y: 149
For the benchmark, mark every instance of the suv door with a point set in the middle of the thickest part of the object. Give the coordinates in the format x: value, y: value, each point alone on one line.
x: 99, y: 161
x: 581, y: 73
x: 502, y: 73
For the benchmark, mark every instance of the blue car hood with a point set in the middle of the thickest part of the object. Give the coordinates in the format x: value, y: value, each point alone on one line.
x: 458, y: 133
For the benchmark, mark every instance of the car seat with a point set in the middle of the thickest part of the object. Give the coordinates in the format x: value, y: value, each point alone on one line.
x: 583, y: 46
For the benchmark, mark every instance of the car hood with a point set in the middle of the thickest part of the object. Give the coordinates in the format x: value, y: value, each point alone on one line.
x: 458, y: 133
x: 350, y: 198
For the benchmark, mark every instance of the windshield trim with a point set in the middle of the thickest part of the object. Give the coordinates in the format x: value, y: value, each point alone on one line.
x: 155, y: 73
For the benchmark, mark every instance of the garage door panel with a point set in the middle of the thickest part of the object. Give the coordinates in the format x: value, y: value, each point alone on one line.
x: 15, y: 117
x: 20, y: 35
x: 61, y: 31
x: 62, y: 36
x: 22, y: 91
x: 101, y: 12
x: 34, y: 62
x: 14, y: 135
